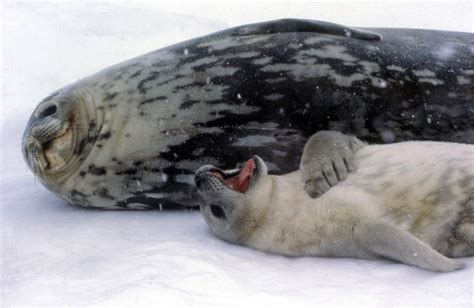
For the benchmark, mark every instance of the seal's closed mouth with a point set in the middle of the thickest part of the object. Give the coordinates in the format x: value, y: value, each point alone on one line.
x: 58, y: 150
x: 238, y: 180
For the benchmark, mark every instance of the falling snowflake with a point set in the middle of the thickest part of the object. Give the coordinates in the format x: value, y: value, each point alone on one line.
x: 446, y: 52
x: 387, y: 136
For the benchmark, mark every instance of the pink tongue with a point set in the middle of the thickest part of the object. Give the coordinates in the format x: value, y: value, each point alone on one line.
x: 241, y: 181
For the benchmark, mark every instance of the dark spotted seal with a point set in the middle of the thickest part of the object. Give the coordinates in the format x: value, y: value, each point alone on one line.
x: 132, y: 135
x: 411, y: 202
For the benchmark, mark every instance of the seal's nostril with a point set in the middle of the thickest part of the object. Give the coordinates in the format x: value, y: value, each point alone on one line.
x: 197, y: 181
x: 48, y: 111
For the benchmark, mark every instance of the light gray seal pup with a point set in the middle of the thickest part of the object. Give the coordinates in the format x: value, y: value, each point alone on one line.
x: 411, y: 202
x: 132, y: 136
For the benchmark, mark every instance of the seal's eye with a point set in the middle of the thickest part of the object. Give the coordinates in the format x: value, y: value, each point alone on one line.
x: 217, y: 211
x: 48, y: 111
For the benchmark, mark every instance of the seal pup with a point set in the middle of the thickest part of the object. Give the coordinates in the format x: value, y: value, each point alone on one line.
x: 131, y: 136
x: 410, y: 202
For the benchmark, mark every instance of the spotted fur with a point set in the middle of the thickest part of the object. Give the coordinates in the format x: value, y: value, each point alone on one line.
x: 150, y: 122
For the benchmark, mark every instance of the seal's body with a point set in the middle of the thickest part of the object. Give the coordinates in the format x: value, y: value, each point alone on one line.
x: 132, y: 135
x: 412, y: 202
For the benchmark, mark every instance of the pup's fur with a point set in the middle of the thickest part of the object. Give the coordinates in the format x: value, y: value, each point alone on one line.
x: 411, y: 202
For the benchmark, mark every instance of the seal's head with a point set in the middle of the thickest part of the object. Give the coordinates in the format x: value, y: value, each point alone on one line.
x: 59, y: 134
x: 234, y: 200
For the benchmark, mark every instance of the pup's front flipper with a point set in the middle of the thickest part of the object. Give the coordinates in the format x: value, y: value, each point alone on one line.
x: 382, y: 239
x: 327, y: 158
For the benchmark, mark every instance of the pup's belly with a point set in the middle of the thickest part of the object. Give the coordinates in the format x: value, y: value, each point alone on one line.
x: 420, y: 186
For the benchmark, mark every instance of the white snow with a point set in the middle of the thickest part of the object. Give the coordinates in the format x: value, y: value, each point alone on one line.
x: 54, y: 254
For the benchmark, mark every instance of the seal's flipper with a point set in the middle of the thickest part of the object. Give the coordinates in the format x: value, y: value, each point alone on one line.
x: 327, y: 159
x: 382, y: 239
x: 304, y: 25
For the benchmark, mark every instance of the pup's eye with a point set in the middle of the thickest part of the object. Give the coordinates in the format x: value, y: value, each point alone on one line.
x: 217, y: 211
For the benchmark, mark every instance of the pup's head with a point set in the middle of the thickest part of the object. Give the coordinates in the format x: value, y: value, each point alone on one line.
x: 234, y: 200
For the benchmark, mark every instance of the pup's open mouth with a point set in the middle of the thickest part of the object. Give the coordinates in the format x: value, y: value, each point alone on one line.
x: 237, y: 179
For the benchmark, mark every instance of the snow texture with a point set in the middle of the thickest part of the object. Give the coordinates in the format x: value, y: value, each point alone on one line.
x: 54, y: 254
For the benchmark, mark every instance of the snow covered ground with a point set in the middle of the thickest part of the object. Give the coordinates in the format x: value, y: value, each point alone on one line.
x: 54, y: 254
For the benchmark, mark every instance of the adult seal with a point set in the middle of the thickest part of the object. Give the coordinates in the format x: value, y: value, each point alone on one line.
x: 132, y: 135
